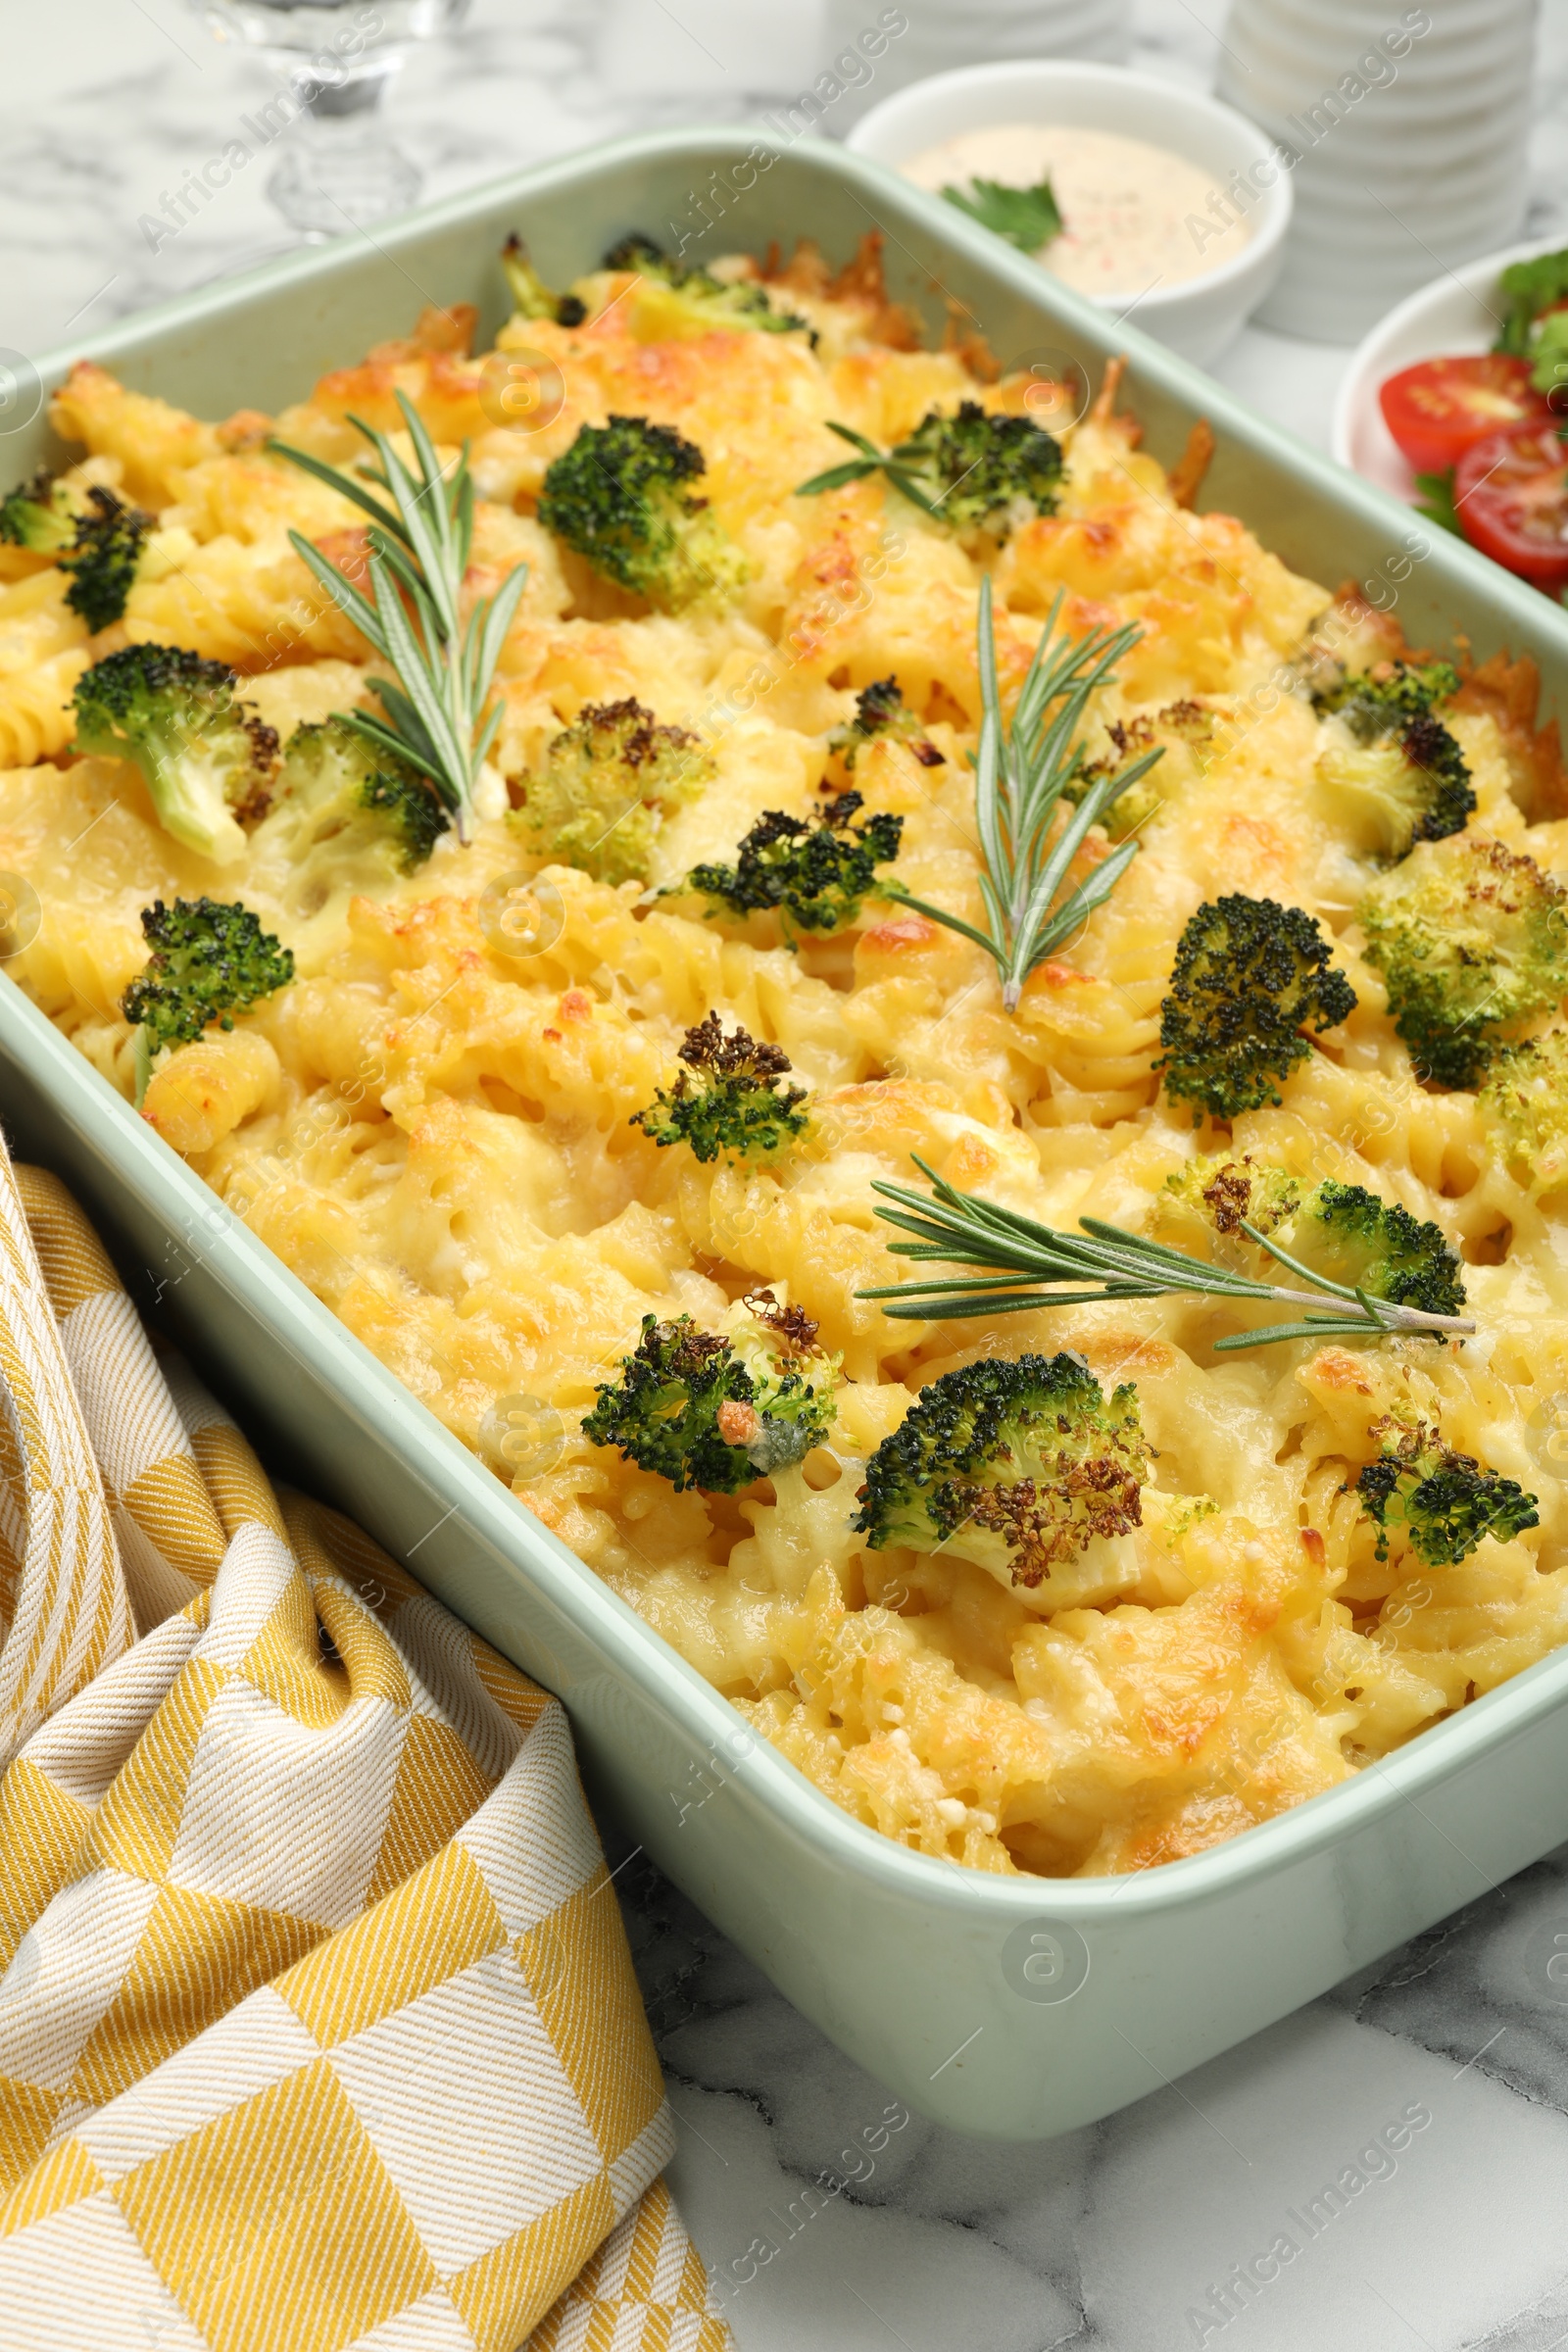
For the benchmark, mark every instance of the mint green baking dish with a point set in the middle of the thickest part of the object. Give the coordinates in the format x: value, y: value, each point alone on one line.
x: 1016, y: 2008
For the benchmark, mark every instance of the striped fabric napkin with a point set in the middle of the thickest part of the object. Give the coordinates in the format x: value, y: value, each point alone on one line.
x: 317, y: 2025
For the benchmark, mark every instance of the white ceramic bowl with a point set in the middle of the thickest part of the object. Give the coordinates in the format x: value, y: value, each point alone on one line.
x: 1457, y: 312
x: 1197, y: 317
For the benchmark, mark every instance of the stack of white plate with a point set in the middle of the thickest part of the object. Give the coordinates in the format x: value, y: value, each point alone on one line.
x: 1410, y: 133
x: 942, y: 37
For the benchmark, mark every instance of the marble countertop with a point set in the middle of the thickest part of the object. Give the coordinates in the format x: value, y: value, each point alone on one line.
x: 1107, y: 2241
x: 98, y: 124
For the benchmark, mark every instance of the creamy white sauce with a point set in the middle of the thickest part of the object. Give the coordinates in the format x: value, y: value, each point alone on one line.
x: 1135, y: 217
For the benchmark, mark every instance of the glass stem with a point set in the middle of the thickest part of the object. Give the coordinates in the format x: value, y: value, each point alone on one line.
x: 340, y: 167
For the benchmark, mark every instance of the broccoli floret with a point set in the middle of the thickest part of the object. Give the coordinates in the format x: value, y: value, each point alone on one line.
x: 793, y: 1329
x: 1137, y: 805
x: 1341, y: 1230
x: 1398, y: 792
x: 532, y: 298
x: 38, y: 515
x: 1249, y: 978
x: 1409, y: 781
x: 1373, y: 1245
x: 207, y: 963
x: 103, y: 558
x: 1384, y: 699
x: 688, y: 1409
x: 1525, y: 1101
x: 609, y: 783
x: 1011, y: 1465
x: 621, y: 496
x: 411, y: 808
x: 815, y: 875
x: 205, y: 761
x: 1179, y: 723
x: 727, y: 1100
x: 343, y: 790
x: 675, y: 300
x: 1470, y: 939
x: 1445, y: 1501
x: 881, y: 710
x: 984, y: 472
x: 1220, y: 1191
x: 99, y: 545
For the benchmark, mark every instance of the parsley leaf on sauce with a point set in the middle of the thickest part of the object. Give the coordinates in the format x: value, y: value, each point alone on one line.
x: 1027, y: 218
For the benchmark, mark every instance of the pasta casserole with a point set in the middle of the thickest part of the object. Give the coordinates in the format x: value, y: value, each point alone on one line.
x: 880, y: 775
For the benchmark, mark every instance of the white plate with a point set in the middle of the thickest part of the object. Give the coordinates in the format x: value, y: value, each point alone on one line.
x: 1457, y: 314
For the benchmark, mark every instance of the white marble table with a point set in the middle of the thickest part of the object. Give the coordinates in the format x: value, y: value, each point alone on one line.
x: 106, y: 104
x: 1110, y: 2240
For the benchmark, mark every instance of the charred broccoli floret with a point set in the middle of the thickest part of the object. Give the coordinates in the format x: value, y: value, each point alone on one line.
x: 1220, y: 1191
x: 1407, y: 779
x: 103, y: 558
x: 688, y: 1409
x: 1339, y: 1230
x: 815, y: 875
x: 791, y: 1326
x: 610, y: 780
x: 1011, y: 1465
x: 1443, y: 1500
x: 1249, y: 976
x: 974, y: 472
x: 881, y: 710
x: 411, y: 813
x: 674, y: 300
x: 1470, y: 939
x: 621, y: 495
x: 1400, y: 793
x: 1180, y: 724
x: 336, y: 788
x: 726, y: 1099
x: 99, y: 544
x: 1525, y: 1102
x: 205, y: 761
x: 532, y: 298
x: 207, y: 963
x: 984, y: 472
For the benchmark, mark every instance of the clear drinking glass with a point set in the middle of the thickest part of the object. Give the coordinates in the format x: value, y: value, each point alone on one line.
x: 335, y: 61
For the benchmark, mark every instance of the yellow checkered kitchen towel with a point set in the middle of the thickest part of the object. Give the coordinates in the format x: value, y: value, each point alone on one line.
x: 317, y: 2025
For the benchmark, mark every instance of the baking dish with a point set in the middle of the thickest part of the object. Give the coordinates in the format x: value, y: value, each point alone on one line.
x: 1018, y: 2008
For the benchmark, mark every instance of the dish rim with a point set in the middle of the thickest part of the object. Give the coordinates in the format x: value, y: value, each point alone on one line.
x: 441, y: 1462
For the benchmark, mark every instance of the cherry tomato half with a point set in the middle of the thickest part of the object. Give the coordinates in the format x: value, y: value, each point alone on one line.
x: 1511, y: 493
x: 1438, y: 408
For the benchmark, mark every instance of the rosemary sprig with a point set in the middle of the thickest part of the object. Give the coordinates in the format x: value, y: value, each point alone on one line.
x: 420, y: 546
x: 1102, y: 1262
x: 871, y: 461
x: 1021, y: 771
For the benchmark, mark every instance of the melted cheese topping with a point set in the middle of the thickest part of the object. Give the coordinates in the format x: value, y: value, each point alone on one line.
x: 434, y: 1131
